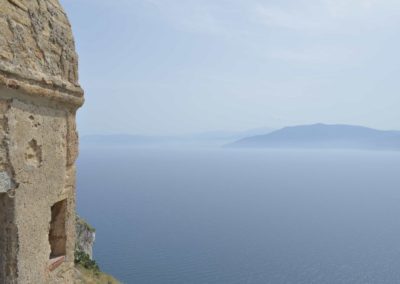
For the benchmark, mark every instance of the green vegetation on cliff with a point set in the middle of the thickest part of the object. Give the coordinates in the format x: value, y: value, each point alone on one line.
x: 87, y: 271
x: 83, y: 259
x: 88, y: 276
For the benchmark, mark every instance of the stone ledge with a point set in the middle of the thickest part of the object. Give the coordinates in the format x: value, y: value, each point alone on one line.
x: 73, y: 97
x: 56, y: 262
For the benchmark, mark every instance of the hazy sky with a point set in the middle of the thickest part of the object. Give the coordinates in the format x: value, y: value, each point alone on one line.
x: 179, y: 66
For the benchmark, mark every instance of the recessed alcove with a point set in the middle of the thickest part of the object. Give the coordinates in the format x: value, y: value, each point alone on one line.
x: 57, y: 233
x: 33, y: 154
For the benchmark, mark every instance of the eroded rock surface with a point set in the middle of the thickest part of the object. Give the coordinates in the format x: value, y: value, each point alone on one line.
x: 85, y: 237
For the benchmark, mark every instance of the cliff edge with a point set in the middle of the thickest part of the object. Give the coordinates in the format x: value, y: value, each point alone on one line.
x: 86, y: 269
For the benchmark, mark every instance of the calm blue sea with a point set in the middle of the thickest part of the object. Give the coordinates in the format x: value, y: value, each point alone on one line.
x: 236, y: 216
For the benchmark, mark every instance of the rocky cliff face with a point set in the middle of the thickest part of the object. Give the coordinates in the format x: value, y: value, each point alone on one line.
x: 85, y: 237
x: 86, y: 269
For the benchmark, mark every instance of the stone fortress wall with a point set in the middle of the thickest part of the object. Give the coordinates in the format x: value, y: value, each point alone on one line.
x: 39, y: 96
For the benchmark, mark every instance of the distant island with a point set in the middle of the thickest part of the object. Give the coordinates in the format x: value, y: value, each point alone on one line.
x: 323, y: 136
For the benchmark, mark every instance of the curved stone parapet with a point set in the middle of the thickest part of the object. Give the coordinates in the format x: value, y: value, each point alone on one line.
x: 37, y: 50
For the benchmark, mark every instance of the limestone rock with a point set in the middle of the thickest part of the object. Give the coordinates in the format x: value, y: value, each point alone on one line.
x: 85, y: 237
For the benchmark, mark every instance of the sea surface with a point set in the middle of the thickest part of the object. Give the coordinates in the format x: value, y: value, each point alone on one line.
x: 243, y: 216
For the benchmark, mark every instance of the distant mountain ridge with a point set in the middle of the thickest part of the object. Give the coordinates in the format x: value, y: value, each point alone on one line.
x: 324, y: 136
x: 214, y: 138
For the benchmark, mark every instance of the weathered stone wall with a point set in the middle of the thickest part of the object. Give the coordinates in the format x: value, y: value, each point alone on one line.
x: 8, y: 243
x: 39, y: 95
x: 41, y: 172
x: 36, y: 42
x: 8, y: 229
x: 37, y: 50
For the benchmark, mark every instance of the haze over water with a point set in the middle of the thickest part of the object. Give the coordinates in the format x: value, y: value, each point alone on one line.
x: 243, y: 216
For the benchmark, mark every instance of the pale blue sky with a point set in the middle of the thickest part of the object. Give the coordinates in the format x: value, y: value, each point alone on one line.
x: 182, y: 66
